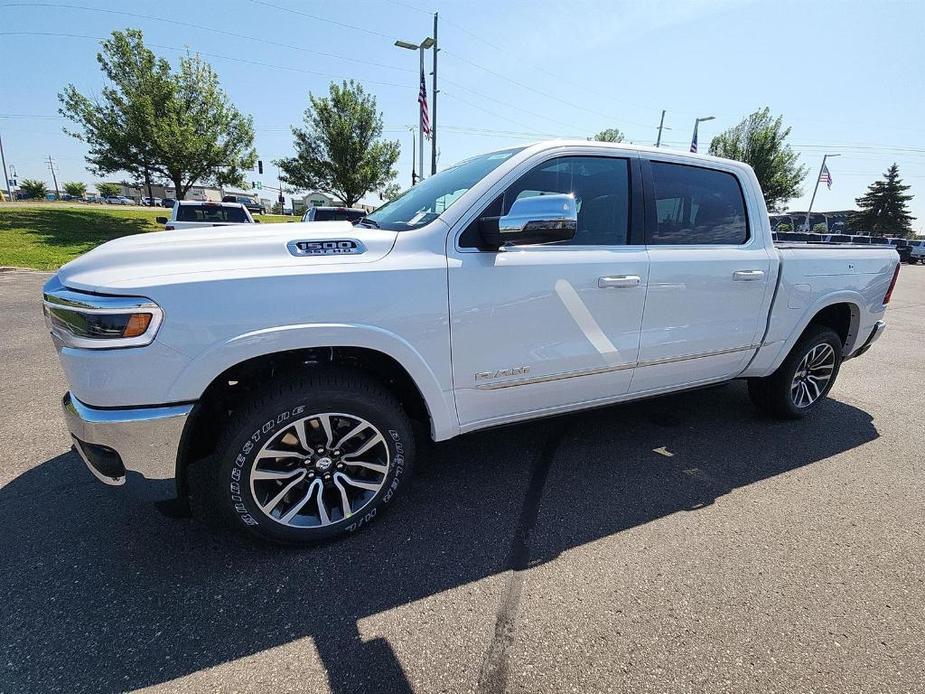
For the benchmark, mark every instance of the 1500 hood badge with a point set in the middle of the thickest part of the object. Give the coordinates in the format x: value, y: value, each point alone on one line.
x: 334, y: 247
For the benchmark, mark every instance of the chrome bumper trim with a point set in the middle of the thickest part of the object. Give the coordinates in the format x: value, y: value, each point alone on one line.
x: 147, y: 439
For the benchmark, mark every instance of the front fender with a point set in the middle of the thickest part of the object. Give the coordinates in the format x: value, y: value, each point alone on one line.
x: 199, y: 373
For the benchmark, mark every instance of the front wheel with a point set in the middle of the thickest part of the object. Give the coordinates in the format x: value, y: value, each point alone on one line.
x: 314, y: 459
x: 805, y: 377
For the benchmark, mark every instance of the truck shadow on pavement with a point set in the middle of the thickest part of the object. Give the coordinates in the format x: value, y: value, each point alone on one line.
x: 103, y: 593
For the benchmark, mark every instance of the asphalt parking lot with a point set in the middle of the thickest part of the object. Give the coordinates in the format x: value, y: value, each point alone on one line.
x: 567, y: 555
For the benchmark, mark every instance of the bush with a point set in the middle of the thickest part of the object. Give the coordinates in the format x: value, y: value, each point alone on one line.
x: 33, y: 188
x: 107, y: 189
x: 75, y: 188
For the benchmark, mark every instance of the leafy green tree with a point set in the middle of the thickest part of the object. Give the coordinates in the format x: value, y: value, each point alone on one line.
x: 820, y: 228
x: 883, y: 209
x: 608, y: 135
x: 107, y: 189
x: 390, y: 192
x: 760, y: 141
x: 33, y: 188
x: 75, y: 188
x: 338, y: 150
x: 785, y: 227
x: 151, y: 121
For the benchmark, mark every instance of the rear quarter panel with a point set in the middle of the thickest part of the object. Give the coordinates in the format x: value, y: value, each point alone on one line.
x: 814, y: 277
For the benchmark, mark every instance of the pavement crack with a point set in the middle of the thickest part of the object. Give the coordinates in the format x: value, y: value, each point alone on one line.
x: 494, y: 672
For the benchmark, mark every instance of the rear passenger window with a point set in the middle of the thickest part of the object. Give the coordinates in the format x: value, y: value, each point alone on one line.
x: 694, y: 205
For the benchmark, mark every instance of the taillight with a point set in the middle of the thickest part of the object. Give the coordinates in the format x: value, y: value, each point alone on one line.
x: 889, y: 292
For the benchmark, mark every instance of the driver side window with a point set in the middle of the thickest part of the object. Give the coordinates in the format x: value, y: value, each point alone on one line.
x: 601, y: 189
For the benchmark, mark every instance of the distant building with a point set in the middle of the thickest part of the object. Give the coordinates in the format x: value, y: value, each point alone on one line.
x: 315, y: 198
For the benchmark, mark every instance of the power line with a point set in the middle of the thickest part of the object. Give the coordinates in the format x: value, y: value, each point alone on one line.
x: 201, y: 27
x: 213, y: 55
x: 541, y: 92
x: 322, y: 19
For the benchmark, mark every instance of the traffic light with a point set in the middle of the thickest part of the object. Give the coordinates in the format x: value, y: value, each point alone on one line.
x: 259, y: 167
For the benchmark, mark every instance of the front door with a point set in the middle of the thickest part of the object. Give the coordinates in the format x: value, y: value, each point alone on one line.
x: 544, y: 327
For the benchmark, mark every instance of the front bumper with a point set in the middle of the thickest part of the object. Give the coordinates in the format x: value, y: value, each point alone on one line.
x: 112, y: 442
x: 874, y: 336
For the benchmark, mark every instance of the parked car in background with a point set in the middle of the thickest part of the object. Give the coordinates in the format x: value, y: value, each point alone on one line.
x: 92, y: 198
x: 252, y: 205
x: 118, y: 200
x: 333, y: 214
x: 151, y: 202
x: 916, y: 251
x: 168, y: 202
x: 273, y: 373
x: 902, y: 247
x: 189, y: 214
x: 794, y: 236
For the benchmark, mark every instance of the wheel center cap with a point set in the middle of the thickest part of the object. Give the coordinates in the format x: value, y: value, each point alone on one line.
x: 323, y: 463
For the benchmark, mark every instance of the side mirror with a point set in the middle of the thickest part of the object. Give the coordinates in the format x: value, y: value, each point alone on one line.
x: 160, y: 220
x: 537, y: 219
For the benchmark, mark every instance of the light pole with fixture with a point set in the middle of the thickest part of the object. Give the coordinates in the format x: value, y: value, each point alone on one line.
x: 420, y: 48
x: 694, y: 139
x: 818, y: 178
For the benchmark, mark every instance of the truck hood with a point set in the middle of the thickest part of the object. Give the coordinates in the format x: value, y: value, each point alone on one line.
x: 166, y: 257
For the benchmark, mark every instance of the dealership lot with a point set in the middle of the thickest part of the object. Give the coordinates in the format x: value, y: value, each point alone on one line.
x: 680, y: 544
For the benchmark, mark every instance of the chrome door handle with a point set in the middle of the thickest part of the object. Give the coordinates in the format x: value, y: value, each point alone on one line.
x: 747, y: 275
x: 618, y: 281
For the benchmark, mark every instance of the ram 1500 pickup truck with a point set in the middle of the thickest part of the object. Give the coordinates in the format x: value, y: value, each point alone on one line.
x: 273, y: 373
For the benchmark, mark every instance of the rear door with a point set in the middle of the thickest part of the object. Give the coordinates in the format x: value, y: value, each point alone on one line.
x: 709, y: 277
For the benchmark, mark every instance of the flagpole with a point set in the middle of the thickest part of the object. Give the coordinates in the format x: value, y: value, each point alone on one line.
x: 421, y: 123
x: 816, y: 188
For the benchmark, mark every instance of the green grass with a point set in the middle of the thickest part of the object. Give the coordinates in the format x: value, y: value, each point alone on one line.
x: 44, y: 236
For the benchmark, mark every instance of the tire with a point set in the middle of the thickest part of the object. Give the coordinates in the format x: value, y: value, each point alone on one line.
x: 781, y: 395
x: 315, y: 491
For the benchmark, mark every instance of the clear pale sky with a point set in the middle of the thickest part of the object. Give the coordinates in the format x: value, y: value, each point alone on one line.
x: 847, y: 76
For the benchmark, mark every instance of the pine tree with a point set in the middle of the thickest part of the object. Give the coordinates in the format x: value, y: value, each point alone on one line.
x: 883, y: 210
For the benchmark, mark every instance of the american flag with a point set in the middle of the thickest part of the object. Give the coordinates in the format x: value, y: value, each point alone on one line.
x: 694, y: 142
x: 422, y: 100
x: 825, y: 176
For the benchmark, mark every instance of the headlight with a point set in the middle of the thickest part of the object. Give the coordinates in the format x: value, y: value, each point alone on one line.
x: 94, y: 321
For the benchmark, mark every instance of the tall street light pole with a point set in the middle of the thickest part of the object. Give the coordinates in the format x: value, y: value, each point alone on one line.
x: 813, y: 199
x: 694, y: 138
x: 433, y: 107
x: 420, y: 48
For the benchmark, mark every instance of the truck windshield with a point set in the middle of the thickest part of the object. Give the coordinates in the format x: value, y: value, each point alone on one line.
x: 426, y: 201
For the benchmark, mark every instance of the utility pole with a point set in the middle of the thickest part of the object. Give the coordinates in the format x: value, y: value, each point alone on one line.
x: 661, y: 124
x: 421, y: 119
x: 433, y: 109
x: 51, y: 165
x: 414, y: 176
x: 813, y: 199
x: 6, y: 179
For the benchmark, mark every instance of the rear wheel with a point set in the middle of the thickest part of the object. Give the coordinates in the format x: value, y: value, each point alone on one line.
x: 312, y: 460
x: 805, y: 377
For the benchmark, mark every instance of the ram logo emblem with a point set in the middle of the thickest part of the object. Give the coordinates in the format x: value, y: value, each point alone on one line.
x: 333, y: 247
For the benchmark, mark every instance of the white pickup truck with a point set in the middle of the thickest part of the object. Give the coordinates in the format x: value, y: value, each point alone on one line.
x: 274, y: 372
